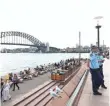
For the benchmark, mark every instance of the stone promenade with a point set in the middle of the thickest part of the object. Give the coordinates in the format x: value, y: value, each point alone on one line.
x: 87, y: 97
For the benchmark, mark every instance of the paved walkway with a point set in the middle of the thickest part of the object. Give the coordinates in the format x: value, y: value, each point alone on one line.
x: 87, y: 97
x: 26, y: 87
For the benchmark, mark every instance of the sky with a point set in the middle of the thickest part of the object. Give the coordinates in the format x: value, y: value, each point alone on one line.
x: 57, y: 21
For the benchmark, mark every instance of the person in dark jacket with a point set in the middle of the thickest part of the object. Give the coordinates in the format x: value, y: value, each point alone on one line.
x: 15, y: 82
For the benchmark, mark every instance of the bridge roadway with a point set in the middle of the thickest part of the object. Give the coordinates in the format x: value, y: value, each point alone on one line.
x: 88, y: 99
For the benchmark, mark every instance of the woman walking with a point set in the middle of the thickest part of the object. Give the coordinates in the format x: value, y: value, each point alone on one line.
x: 15, y: 82
x: 6, y: 91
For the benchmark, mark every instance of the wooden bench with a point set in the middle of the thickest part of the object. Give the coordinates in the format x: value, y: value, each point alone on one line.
x: 69, y: 77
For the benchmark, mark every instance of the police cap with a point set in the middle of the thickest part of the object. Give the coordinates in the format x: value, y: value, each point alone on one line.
x: 94, y: 47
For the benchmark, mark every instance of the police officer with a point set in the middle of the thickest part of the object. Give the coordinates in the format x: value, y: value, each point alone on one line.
x: 101, y: 60
x: 94, y: 69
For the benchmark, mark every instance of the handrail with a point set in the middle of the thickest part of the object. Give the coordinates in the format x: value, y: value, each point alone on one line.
x: 74, y: 95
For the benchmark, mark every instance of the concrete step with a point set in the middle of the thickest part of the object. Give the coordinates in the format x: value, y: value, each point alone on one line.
x: 26, y: 96
x: 36, y: 95
x: 41, y: 97
x: 47, y: 99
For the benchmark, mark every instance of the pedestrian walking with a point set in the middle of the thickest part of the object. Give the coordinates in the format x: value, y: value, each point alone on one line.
x: 94, y: 69
x: 6, y: 91
x: 15, y: 82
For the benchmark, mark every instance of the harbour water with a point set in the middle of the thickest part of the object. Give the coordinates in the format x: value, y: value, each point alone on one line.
x: 15, y: 62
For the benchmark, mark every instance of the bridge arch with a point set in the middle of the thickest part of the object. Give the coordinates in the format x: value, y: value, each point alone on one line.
x: 32, y: 39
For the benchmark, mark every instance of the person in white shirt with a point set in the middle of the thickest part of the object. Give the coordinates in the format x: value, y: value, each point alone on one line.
x: 6, y: 91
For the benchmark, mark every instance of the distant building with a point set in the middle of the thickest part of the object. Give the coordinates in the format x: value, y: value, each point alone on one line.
x: 91, y: 45
x: 47, y: 44
x: 86, y: 47
x: 62, y: 50
x: 69, y: 49
x: 77, y: 46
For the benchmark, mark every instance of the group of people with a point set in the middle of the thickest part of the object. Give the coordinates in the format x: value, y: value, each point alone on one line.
x: 12, y: 80
x: 54, y: 66
x: 6, y: 85
x: 96, y: 69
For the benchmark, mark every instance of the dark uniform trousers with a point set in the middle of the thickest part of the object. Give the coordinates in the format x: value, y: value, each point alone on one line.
x: 97, y: 79
x: 101, y: 72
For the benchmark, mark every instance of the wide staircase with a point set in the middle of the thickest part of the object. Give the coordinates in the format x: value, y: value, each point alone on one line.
x: 40, y: 96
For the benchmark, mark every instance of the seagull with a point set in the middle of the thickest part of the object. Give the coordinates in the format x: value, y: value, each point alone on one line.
x: 58, y: 90
x: 53, y: 94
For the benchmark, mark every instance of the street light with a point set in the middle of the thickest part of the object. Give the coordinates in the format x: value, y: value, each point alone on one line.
x: 98, y: 27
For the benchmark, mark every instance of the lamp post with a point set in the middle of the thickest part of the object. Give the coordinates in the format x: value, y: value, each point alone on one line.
x: 98, y: 35
x: 98, y: 30
x: 103, y: 45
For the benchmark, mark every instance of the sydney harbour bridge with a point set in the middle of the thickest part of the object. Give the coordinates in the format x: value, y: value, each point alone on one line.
x: 23, y: 39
